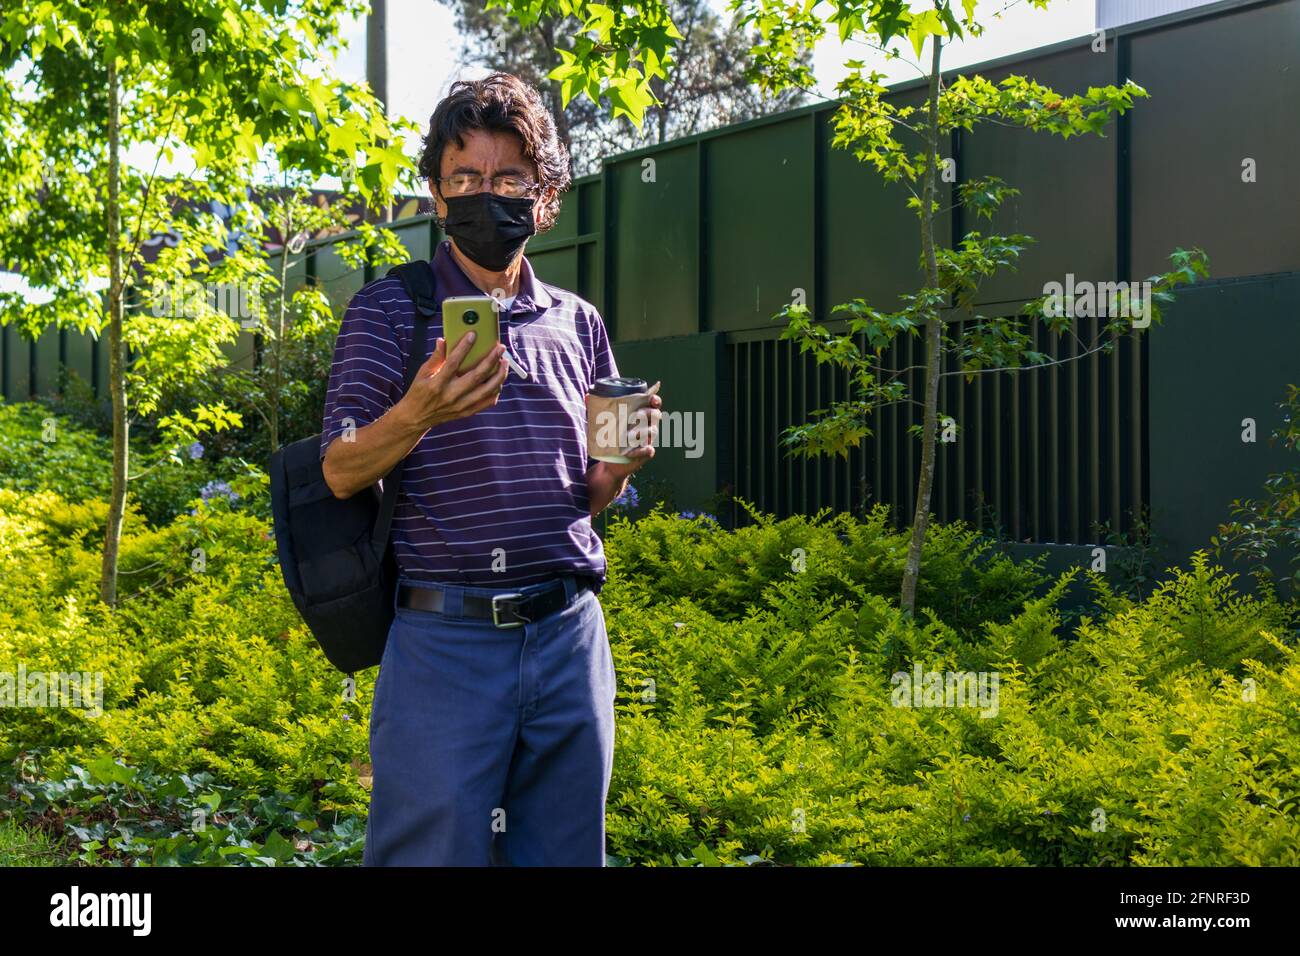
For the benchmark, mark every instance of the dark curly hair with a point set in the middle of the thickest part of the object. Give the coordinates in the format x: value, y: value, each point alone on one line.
x: 504, y: 103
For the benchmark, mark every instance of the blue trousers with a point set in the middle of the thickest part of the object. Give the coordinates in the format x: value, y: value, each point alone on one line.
x: 492, y: 746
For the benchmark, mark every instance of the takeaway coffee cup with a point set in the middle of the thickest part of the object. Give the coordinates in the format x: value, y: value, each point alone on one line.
x: 610, y: 409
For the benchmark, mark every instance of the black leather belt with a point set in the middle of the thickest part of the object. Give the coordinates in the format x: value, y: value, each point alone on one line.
x: 507, y: 609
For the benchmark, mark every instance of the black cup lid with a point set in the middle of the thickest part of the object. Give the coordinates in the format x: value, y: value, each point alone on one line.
x: 617, y: 387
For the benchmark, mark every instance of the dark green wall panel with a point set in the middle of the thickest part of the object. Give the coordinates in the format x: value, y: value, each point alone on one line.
x: 47, y: 362
x: 242, y: 352
x: 758, y: 222
x: 871, y: 242
x: 339, y: 279
x: 79, y: 354
x: 1222, y: 89
x: 591, y: 284
x: 566, y: 226
x: 694, y: 383
x: 417, y: 240
x: 656, y: 247
x: 588, y: 194
x: 17, y: 364
x: 1225, y: 352
x: 558, y: 267
x: 1067, y: 200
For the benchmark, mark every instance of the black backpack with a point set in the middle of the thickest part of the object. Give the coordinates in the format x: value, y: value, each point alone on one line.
x: 334, y: 553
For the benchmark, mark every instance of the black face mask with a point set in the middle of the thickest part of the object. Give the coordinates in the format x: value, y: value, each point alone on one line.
x: 488, y: 228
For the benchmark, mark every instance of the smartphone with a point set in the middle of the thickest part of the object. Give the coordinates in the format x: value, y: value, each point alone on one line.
x: 462, y: 313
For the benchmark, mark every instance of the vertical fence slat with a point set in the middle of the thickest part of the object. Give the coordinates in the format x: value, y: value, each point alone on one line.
x: 1075, y: 503
x: 981, y: 442
x: 1034, y: 390
x: 1137, y: 436
x: 1017, y: 440
x: 789, y: 417
x: 1117, y: 427
x: 806, y: 497
x: 1056, y: 489
x: 964, y: 433
x: 878, y: 446
x: 1094, y: 433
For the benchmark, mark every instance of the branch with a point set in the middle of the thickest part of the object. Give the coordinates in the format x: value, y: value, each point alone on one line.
x: 889, y: 54
x: 1030, y: 368
x: 144, y: 203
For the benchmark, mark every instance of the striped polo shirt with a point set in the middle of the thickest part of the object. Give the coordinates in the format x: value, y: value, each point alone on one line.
x: 500, y: 497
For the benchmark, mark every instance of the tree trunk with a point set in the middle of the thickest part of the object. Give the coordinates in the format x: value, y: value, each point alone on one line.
x: 278, y: 355
x: 377, y: 68
x: 933, y: 347
x: 660, y: 89
x: 116, y: 347
x: 547, y: 27
x: 562, y: 132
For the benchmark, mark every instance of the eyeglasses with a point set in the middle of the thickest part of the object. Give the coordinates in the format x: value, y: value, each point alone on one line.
x: 513, y: 187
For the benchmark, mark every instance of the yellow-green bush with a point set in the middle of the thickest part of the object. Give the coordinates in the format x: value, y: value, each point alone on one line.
x: 756, y: 715
x: 1139, y: 739
x: 965, y: 583
x: 206, y: 665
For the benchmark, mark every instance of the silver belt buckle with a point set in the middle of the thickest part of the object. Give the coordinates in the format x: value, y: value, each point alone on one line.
x: 496, y: 609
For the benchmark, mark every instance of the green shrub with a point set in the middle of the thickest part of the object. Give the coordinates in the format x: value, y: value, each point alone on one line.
x: 964, y: 581
x: 758, y: 717
x: 43, y: 451
x: 248, y: 391
x: 1112, y: 749
x: 206, y: 666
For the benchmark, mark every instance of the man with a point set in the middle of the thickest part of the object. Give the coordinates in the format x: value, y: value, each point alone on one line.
x: 491, y: 733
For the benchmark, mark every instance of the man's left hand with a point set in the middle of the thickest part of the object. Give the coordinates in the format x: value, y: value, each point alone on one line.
x: 642, y: 436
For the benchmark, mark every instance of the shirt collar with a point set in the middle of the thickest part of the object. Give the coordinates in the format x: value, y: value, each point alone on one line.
x: 451, y: 280
x: 532, y: 292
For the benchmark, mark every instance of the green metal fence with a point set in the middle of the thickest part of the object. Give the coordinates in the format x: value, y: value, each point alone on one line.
x: 1046, y: 454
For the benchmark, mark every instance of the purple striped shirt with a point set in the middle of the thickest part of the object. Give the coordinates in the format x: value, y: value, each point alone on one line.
x: 500, y: 497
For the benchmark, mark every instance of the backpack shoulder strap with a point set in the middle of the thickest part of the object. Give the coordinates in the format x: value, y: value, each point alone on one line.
x: 417, y: 279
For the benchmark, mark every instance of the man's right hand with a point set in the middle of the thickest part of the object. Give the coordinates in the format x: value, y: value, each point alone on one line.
x: 441, y: 394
